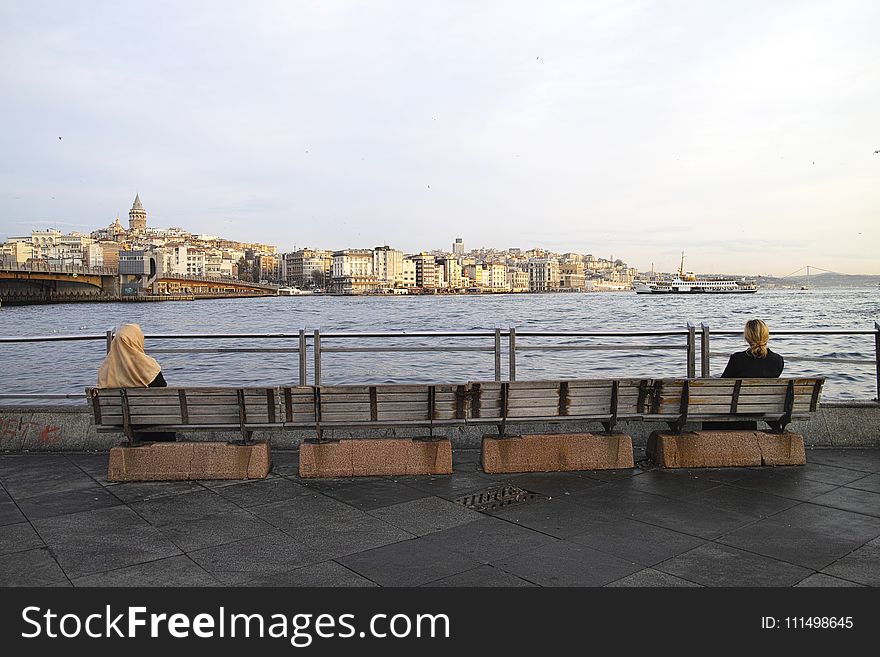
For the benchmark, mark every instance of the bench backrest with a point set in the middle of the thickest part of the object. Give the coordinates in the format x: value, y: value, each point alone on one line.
x: 177, y: 409
x: 774, y: 400
x: 606, y: 401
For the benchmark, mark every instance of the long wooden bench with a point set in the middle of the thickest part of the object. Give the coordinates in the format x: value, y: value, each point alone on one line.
x: 334, y: 408
x: 775, y: 401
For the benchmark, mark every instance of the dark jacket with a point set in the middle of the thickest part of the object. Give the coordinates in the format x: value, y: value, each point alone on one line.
x: 742, y: 365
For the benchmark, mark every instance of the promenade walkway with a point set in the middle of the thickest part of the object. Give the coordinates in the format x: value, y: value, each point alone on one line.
x: 63, y: 524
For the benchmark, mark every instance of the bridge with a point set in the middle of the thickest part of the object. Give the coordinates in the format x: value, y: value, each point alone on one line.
x: 34, y: 283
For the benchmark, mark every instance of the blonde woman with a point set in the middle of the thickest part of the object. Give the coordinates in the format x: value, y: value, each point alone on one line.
x: 756, y: 362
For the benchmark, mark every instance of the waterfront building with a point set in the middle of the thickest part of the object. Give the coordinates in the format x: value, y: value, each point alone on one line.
x: 93, y: 255
x: 517, y: 280
x: 388, y: 266
x: 543, y: 274
x: 353, y: 272
x: 16, y: 252
x: 408, y: 273
x: 425, y: 270
x: 497, y: 276
x: 451, y: 272
x: 267, y: 268
x: 309, y: 268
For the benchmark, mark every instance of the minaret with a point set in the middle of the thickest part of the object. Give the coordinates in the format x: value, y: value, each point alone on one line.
x: 137, y: 216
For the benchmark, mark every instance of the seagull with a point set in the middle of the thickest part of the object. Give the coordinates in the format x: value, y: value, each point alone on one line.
x: 59, y: 139
x: 875, y: 152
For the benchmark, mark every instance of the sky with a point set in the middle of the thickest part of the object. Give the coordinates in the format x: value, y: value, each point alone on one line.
x: 742, y: 133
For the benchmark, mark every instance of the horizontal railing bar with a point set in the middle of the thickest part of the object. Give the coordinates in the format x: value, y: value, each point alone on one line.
x: 229, y: 350
x: 596, y: 334
x: 45, y: 395
x: 51, y: 338
x: 415, y: 334
x: 351, y: 350
x: 600, y: 347
x: 799, y: 332
x: 815, y: 359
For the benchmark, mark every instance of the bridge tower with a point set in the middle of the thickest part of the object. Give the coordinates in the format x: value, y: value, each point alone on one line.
x: 137, y: 216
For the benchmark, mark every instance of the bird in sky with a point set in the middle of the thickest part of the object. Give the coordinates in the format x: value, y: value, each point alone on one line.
x: 875, y: 152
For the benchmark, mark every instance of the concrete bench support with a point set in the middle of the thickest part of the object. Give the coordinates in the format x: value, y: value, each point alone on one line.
x: 375, y: 457
x: 723, y: 449
x: 184, y: 461
x: 557, y: 452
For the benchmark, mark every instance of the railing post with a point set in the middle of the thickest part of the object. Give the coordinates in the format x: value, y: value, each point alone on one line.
x: 497, y: 353
x: 877, y: 354
x: 302, y: 357
x: 691, y: 351
x: 316, y: 345
x: 704, y: 350
x: 512, y: 345
x: 109, y: 339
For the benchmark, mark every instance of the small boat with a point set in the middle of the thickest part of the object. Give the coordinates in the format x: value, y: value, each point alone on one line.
x: 291, y: 291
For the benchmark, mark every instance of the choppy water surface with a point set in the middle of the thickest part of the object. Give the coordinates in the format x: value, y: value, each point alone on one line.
x: 70, y: 366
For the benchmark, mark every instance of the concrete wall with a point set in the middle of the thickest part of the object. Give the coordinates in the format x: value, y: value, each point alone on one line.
x: 70, y: 428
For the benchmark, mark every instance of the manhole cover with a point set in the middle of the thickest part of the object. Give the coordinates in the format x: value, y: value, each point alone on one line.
x: 498, y: 497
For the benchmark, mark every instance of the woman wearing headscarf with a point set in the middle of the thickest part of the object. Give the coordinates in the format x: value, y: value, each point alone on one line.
x: 126, y: 364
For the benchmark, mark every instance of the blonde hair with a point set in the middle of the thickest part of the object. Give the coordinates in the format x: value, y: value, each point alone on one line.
x: 757, y: 334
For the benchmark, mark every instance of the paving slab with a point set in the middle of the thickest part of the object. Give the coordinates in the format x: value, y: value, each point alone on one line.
x: 862, y: 566
x: 9, y: 513
x: 866, y: 460
x: 308, y: 510
x: 635, y: 541
x: 262, y: 491
x: 792, y: 544
x: 851, y: 499
x: 103, y: 539
x: 870, y: 483
x: 408, y: 563
x: 34, y: 567
x: 374, y: 494
x: 652, y: 578
x: 555, y: 484
x: 831, y: 474
x: 18, y: 538
x: 567, y: 564
x: 324, y: 574
x: 176, y: 571
x: 784, y: 484
x: 227, y: 527
x: 348, y: 535
x: 719, y: 565
x: 695, y: 519
x: 831, y: 522
x: 484, y: 576
x: 659, y: 482
x: 48, y: 505
x: 425, y: 515
x: 825, y: 581
x: 743, y: 500
x: 138, y: 491
x: 169, y: 510
x: 487, y: 539
x: 262, y: 556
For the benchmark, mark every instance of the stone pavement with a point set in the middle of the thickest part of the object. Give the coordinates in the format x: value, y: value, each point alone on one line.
x: 63, y: 524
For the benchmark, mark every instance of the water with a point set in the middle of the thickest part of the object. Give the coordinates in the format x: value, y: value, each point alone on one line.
x: 71, y: 366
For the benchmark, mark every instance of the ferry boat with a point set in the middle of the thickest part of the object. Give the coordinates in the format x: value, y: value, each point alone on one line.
x: 687, y: 283
x: 291, y: 292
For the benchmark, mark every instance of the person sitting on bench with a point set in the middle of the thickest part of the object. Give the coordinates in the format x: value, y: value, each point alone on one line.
x: 127, y: 366
x: 756, y: 362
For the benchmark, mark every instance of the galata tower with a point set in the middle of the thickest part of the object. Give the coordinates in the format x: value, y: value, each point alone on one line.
x: 137, y: 216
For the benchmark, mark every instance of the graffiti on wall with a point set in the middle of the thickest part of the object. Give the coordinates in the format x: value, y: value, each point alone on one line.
x: 15, y: 428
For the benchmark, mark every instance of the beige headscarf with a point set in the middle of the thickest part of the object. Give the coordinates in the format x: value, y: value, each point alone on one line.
x: 127, y: 366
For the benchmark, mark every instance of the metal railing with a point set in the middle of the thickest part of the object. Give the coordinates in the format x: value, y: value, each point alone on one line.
x: 480, y: 341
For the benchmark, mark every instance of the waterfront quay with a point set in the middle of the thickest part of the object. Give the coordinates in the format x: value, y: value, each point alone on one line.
x: 63, y: 524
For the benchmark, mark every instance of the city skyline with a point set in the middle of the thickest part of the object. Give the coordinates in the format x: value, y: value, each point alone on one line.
x: 742, y: 135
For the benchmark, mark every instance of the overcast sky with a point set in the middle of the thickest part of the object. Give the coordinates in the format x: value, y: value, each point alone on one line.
x: 740, y: 132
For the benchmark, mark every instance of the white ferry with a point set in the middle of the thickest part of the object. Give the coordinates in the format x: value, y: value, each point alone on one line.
x: 687, y: 283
